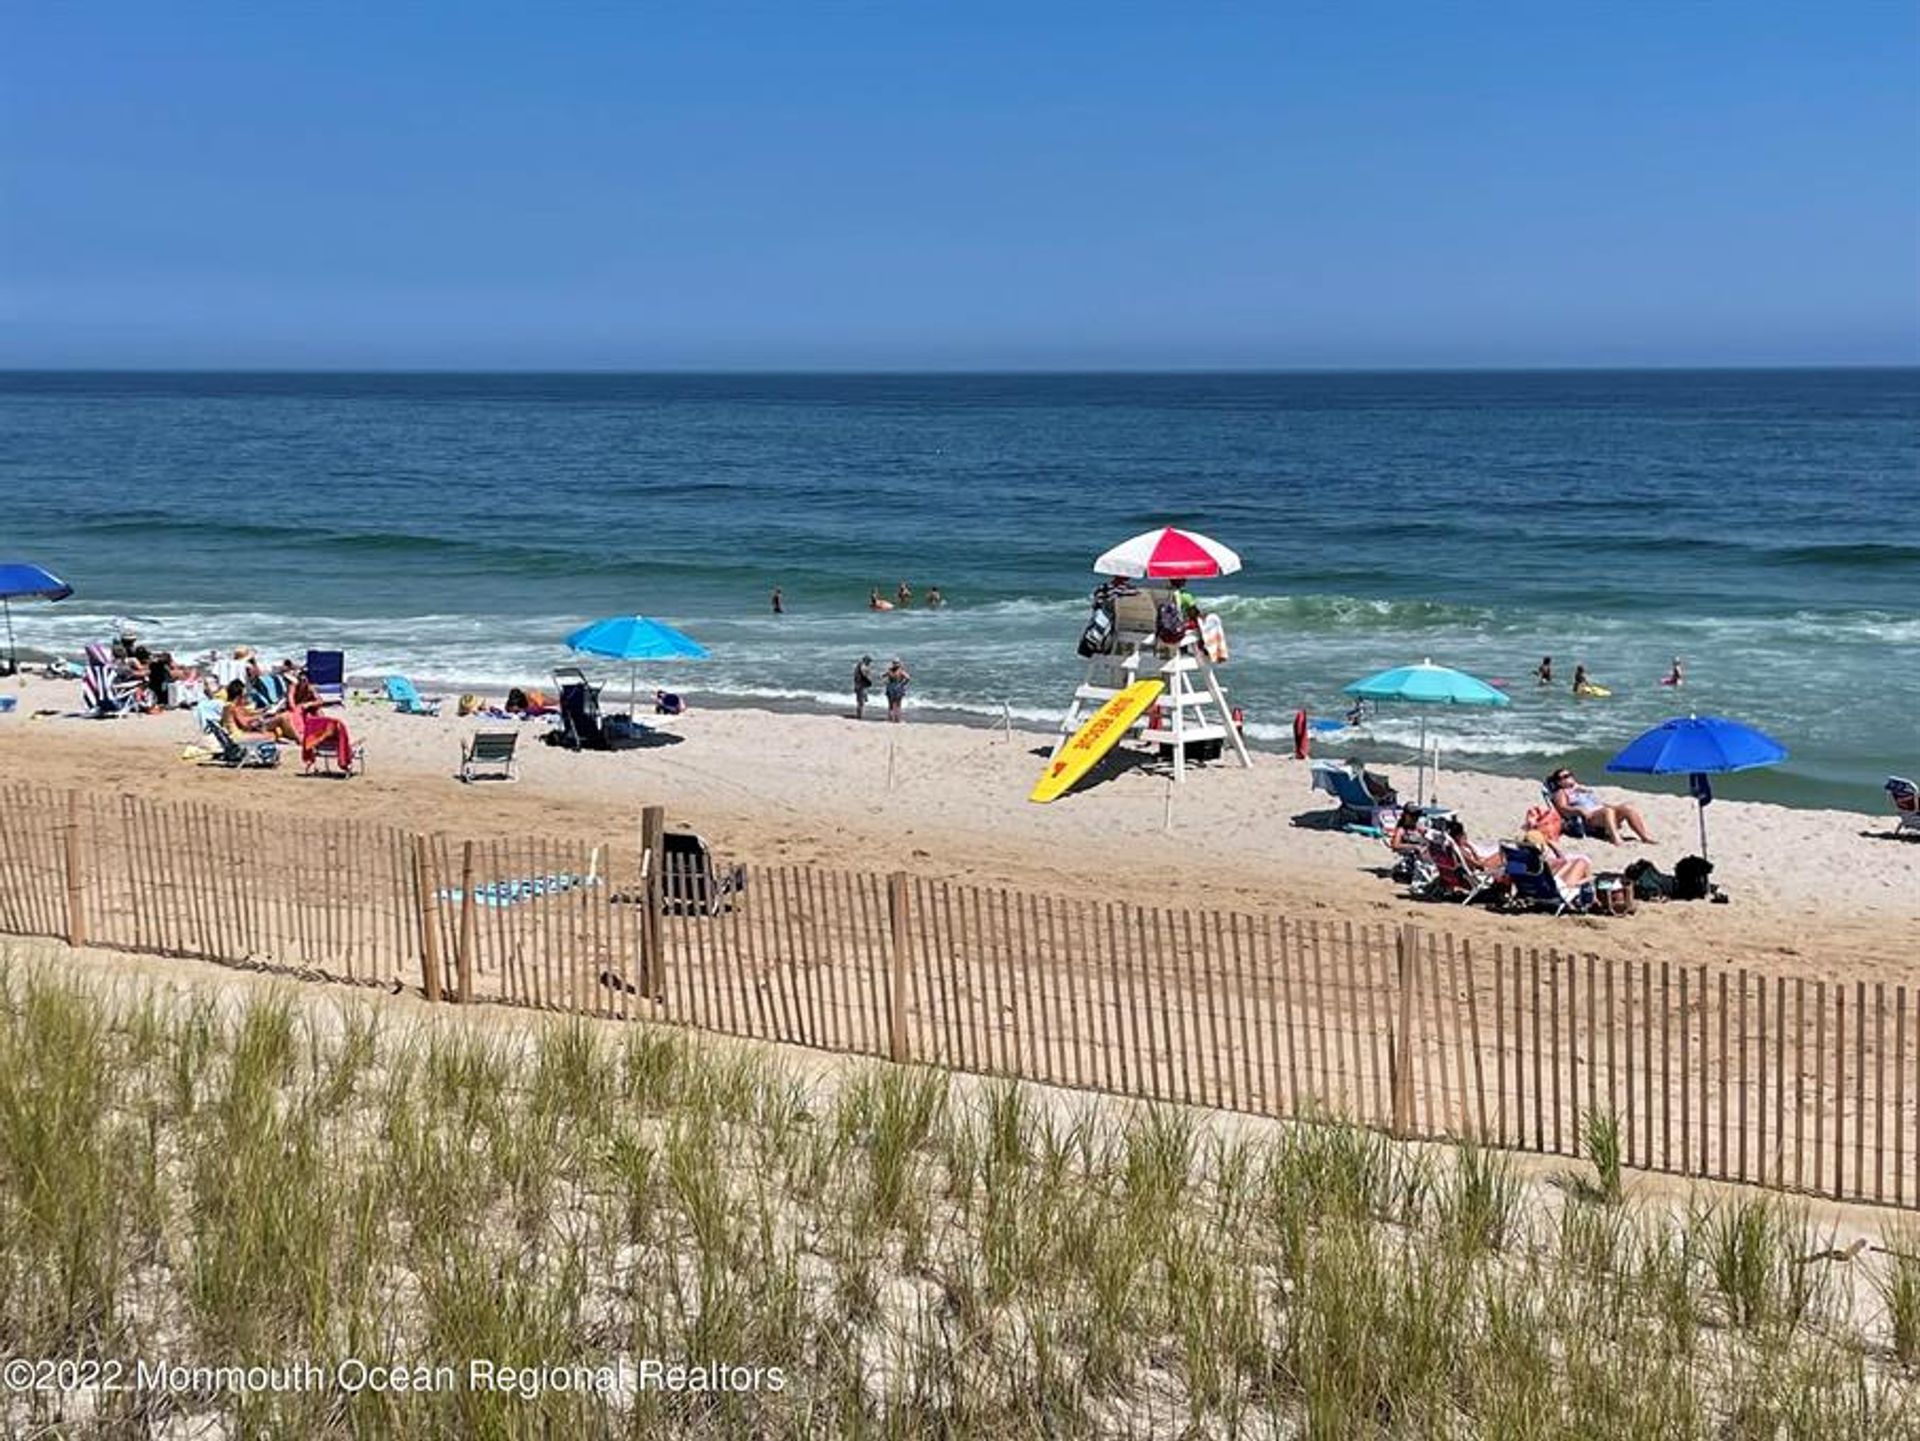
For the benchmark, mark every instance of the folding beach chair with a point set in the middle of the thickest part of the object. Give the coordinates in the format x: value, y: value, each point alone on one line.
x: 262, y: 752
x: 322, y: 756
x: 1905, y: 796
x: 488, y: 749
x: 580, y: 727
x: 409, y: 701
x: 690, y: 883
x: 1455, y: 878
x: 1572, y: 823
x: 327, y: 673
x: 103, y: 694
x: 1360, y: 804
x: 1536, y: 886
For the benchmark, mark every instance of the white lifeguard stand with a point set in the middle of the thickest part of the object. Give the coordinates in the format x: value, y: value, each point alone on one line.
x: 1192, y: 709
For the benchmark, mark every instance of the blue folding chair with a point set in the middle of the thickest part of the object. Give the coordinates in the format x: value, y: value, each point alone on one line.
x: 409, y: 701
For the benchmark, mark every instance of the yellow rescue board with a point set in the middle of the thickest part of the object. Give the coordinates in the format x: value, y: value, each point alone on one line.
x: 1099, y: 735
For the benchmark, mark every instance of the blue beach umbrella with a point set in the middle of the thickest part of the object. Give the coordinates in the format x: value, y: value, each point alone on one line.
x: 20, y: 581
x: 1698, y: 746
x: 1427, y: 684
x: 635, y: 638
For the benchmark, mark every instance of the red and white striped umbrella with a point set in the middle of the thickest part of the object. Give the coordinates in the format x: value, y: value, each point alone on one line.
x: 1165, y: 553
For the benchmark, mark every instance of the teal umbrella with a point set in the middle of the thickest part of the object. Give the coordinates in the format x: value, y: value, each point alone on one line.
x: 1427, y: 684
x: 633, y: 639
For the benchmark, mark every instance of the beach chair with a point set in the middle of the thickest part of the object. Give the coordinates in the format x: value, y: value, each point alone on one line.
x: 103, y: 694
x: 327, y: 673
x: 1905, y: 796
x: 262, y: 752
x: 409, y: 701
x: 580, y: 727
x: 488, y: 749
x: 322, y: 756
x: 268, y: 693
x: 690, y: 883
x: 1536, y: 886
x: 1455, y: 878
x: 1572, y: 823
x: 1359, y: 804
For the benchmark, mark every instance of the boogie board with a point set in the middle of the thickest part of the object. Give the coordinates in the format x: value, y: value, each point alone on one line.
x: 1094, y: 739
x: 1593, y: 692
x: 1213, y: 638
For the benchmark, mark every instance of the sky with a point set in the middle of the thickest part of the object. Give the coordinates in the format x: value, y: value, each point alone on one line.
x: 977, y: 186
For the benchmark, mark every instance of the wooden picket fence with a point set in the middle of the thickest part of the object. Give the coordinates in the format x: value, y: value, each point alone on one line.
x: 1806, y: 1085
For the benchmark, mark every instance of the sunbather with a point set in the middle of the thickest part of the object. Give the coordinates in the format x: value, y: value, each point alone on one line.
x: 1409, y: 834
x: 1491, y: 865
x: 303, y: 701
x: 238, y: 718
x: 1570, y: 868
x: 1601, y: 818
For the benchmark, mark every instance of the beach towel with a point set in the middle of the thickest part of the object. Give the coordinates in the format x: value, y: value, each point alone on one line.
x: 525, y: 888
x: 320, y: 730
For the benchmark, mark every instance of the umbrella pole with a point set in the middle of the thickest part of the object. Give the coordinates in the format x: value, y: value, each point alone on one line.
x: 1420, y: 786
x: 13, y: 658
x: 1703, y: 828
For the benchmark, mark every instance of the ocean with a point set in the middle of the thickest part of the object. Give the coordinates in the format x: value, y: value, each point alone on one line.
x: 1762, y: 525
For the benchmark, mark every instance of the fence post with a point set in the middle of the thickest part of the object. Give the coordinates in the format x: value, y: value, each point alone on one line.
x: 466, y: 924
x: 426, y: 900
x: 1406, y: 944
x: 897, y: 903
x: 653, y: 859
x: 76, y: 875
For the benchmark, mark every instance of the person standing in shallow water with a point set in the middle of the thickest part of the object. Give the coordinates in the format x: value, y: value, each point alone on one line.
x: 862, y: 683
x: 779, y: 602
x: 1544, y: 671
x: 897, y: 680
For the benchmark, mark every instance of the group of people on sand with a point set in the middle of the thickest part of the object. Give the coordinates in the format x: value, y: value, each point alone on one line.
x: 1571, y: 809
x: 1585, y: 685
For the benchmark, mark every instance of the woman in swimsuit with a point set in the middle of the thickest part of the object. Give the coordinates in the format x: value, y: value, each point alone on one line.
x: 238, y: 718
x: 1570, y: 798
x: 895, y: 681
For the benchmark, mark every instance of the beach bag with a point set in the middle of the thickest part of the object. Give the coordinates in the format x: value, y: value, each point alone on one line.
x: 1690, y: 878
x: 1168, y: 624
x: 1649, y: 882
x: 1098, y: 635
x: 1613, y: 894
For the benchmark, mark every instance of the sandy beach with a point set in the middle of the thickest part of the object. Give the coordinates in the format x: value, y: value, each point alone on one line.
x: 1826, y: 893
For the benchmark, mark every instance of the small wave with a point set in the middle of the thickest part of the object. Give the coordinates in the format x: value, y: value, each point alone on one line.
x: 1853, y: 555
x: 1348, y: 612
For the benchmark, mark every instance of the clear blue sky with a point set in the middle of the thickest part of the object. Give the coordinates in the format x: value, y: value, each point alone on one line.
x: 979, y: 185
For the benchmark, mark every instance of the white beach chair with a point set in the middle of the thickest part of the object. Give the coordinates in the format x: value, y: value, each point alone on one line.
x: 1906, y: 804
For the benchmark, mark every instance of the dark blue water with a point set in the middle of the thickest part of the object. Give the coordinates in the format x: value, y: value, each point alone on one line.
x: 1765, y: 526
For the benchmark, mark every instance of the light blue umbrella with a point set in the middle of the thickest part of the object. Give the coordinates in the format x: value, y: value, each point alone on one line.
x: 1427, y: 684
x: 635, y: 638
x: 1698, y: 746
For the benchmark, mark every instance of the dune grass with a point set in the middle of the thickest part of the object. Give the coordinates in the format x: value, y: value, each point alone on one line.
x: 290, y: 1179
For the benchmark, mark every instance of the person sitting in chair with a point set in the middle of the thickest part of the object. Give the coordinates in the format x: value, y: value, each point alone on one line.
x: 1600, y: 818
x: 239, y: 719
x: 1568, y: 867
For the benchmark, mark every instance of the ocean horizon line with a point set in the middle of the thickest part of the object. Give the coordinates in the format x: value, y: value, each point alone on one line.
x: 981, y: 372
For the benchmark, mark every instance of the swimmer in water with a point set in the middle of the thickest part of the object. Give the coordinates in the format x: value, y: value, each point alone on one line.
x: 903, y: 597
x: 1544, y: 671
x: 873, y: 600
x: 1676, y: 676
x: 1580, y: 682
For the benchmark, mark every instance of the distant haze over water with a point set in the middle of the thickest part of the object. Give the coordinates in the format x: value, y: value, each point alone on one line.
x: 1762, y: 525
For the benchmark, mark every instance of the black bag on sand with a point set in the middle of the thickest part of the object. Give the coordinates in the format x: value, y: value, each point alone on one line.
x: 1649, y: 882
x: 1690, y: 881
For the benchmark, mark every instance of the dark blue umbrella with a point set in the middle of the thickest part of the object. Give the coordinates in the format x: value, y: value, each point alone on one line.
x: 20, y: 581
x: 1698, y: 746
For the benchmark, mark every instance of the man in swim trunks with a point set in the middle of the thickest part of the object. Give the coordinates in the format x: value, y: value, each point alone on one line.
x: 1570, y: 798
x: 862, y: 683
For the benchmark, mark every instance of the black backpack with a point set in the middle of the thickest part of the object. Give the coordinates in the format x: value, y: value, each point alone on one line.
x: 1690, y: 878
x: 1168, y: 623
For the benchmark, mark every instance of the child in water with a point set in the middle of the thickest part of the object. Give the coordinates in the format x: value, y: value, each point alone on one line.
x: 1676, y: 676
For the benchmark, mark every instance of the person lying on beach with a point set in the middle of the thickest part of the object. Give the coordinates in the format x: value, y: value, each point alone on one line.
x: 1602, y: 819
x: 238, y: 718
